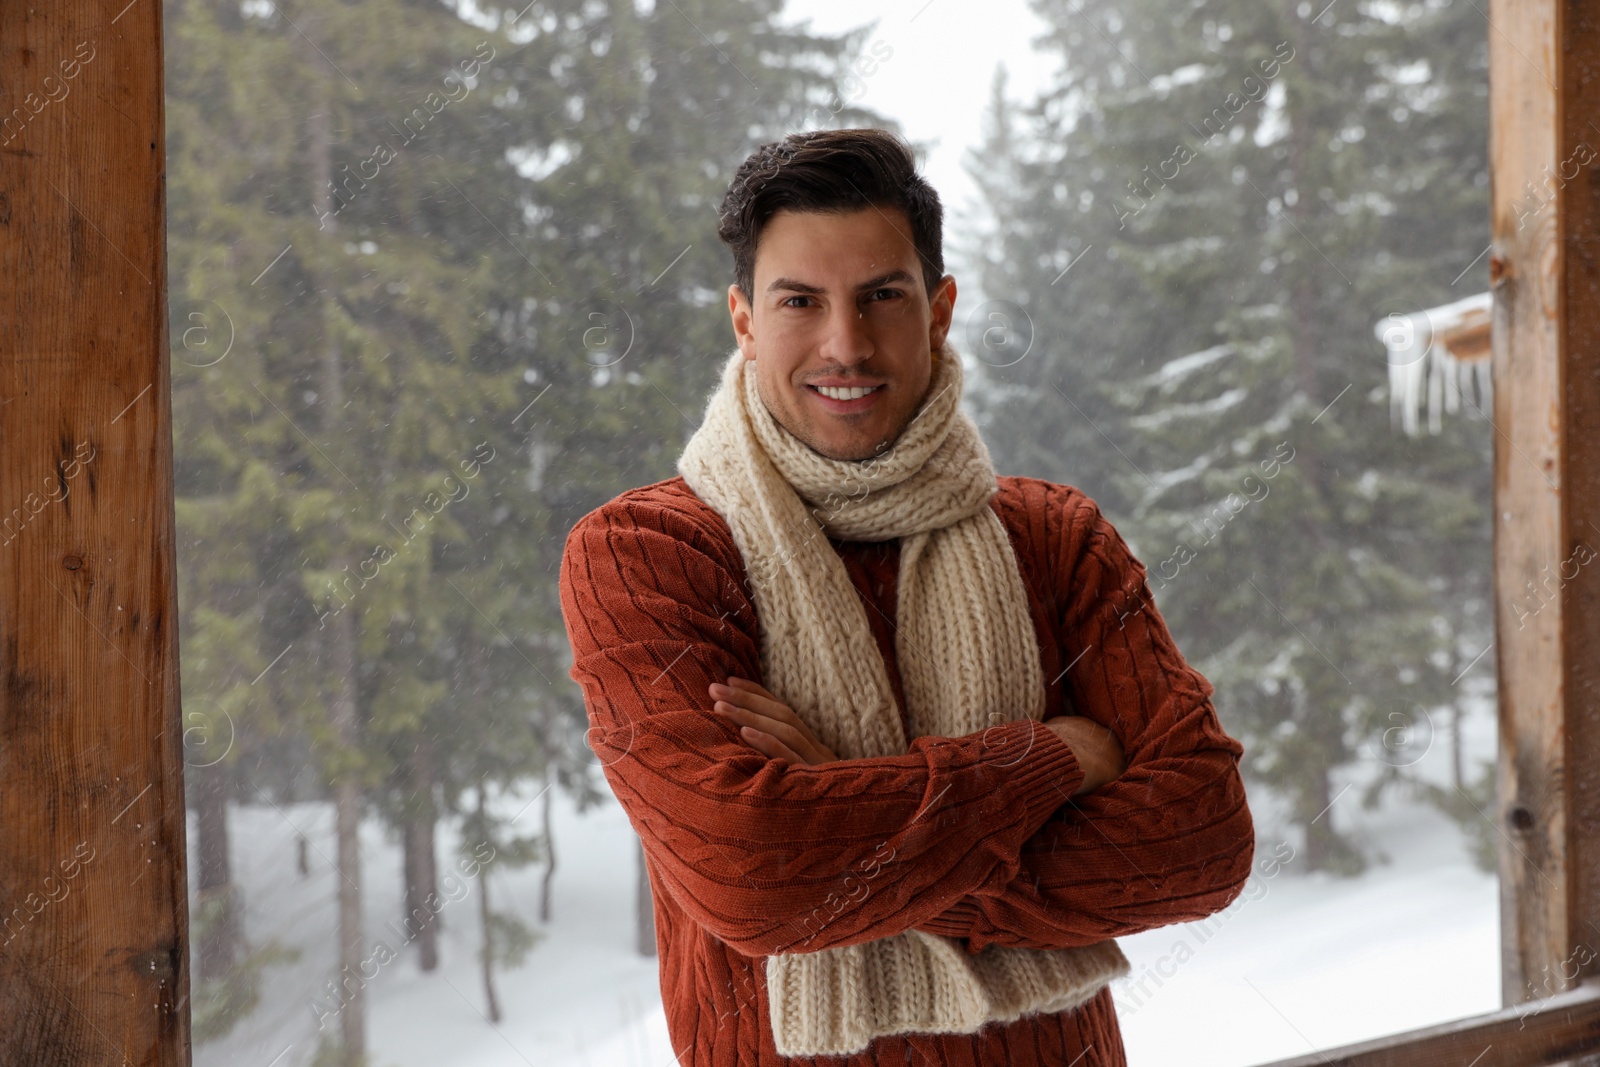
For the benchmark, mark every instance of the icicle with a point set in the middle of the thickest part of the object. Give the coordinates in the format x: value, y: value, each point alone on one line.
x: 1406, y: 340
x: 1420, y: 360
x: 1436, y: 378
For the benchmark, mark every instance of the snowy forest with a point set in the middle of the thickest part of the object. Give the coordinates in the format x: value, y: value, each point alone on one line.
x: 444, y: 277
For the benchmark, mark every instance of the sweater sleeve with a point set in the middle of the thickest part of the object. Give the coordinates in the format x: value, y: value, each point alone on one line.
x: 1171, y: 839
x: 768, y: 856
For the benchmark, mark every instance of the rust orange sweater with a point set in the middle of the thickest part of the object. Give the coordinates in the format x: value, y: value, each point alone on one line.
x: 975, y: 837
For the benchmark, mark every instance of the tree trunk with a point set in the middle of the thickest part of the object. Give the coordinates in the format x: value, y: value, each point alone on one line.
x: 484, y: 920
x: 549, y: 855
x: 341, y: 641
x: 422, y: 918
x: 347, y: 817
x: 1457, y: 718
x: 352, y: 1019
x: 1319, y: 831
x: 219, y: 940
x: 645, y: 915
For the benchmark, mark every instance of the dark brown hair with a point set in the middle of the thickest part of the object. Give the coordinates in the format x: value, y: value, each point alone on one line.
x: 830, y: 171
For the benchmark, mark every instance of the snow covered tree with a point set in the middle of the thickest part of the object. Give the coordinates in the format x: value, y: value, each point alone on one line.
x: 436, y: 292
x: 344, y: 409
x: 1249, y: 188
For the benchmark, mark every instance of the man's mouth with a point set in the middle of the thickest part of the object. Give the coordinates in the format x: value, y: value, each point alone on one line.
x: 845, y: 399
x: 838, y: 392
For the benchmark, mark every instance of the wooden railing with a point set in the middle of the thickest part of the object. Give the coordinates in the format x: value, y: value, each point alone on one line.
x: 1541, y: 1033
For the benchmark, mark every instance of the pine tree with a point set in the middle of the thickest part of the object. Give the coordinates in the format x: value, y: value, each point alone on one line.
x: 618, y: 322
x: 340, y: 421
x: 390, y: 401
x: 1250, y: 188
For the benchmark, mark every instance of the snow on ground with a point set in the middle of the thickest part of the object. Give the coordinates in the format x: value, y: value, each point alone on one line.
x: 582, y: 997
x: 1309, y: 962
x: 1303, y: 962
x: 1298, y: 962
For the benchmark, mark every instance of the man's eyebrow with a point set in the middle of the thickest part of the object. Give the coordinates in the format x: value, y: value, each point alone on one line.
x: 794, y: 286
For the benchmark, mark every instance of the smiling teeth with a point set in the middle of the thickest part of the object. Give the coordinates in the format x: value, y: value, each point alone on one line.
x: 835, y: 393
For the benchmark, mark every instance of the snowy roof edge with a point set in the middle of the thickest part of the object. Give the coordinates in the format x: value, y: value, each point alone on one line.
x: 1444, y: 350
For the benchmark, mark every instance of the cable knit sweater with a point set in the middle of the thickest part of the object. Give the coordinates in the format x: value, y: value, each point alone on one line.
x: 748, y: 856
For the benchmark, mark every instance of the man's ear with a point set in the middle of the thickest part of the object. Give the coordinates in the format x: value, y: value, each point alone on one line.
x: 742, y: 314
x: 941, y: 307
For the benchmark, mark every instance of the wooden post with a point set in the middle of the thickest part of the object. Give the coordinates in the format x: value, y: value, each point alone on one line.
x: 1579, y: 210
x: 94, y: 964
x: 1545, y: 159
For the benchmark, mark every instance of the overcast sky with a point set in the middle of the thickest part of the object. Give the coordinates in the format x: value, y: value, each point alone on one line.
x: 937, y: 81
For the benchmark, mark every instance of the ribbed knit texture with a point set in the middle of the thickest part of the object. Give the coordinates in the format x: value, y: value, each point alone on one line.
x: 975, y: 838
x: 968, y: 659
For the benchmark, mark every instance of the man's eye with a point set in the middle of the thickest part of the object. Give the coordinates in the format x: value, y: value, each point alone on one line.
x: 891, y: 292
x: 785, y: 301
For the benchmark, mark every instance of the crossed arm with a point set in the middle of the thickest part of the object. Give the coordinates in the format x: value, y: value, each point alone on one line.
x: 772, y: 728
x: 1171, y: 838
x: 979, y: 837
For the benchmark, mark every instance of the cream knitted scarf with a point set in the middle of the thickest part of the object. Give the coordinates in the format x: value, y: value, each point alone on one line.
x: 968, y: 656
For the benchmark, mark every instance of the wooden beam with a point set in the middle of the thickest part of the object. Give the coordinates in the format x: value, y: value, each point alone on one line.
x: 1552, y: 1031
x: 1543, y: 56
x: 93, y: 898
x: 1578, y: 212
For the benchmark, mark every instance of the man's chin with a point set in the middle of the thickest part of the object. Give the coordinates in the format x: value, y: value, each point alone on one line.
x: 854, y: 451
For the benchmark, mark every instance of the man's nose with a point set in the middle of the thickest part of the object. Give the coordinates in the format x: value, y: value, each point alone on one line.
x: 848, y: 340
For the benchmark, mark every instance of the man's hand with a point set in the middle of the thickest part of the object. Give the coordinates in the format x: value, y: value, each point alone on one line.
x: 1098, y: 750
x: 767, y: 724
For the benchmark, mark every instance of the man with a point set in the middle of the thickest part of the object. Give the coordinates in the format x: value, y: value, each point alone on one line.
x: 908, y: 745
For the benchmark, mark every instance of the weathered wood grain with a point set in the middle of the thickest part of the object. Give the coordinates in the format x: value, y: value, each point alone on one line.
x: 1547, y: 467
x: 93, y: 945
x: 1578, y: 212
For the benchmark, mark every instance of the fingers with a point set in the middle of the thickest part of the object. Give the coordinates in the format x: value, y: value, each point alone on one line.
x: 766, y: 723
x: 764, y: 718
x: 768, y: 745
x: 791, y: 739
x: 747, y: 694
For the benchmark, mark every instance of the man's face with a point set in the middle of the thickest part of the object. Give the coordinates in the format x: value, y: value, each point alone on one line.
x: 839, y: 304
